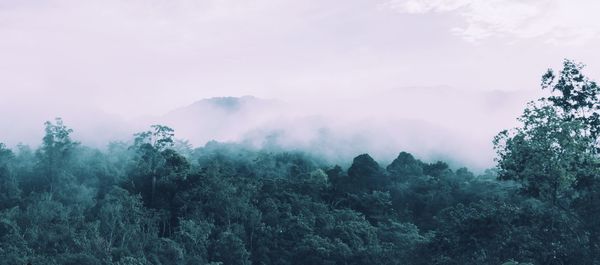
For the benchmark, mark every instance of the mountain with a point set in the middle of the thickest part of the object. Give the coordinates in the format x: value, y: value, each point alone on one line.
x: 431, y: 122
x: 220, y: 118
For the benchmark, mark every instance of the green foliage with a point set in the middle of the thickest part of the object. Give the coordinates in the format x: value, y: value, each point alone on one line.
x: 229, y: 249
x: 544, y: 154
x: 54, y: 156
x: 156, y: 168
x: 556, y: 146
x: 365, y: 174
x: 492, y: 232
x: 577, y: 96
x: 404, y: 166
x: 160, y: 137
x: 9, y: 188
x: 554, y: 156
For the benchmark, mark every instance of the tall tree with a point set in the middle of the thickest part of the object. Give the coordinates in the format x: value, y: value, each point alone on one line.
x: 365, y: 174
x: 544, y: 154
x: 555, y: 146
x: 56, y: 151
x: 575, y: 95
x: 405, y: 165
x: 156, y: 172
x: 9, y: 189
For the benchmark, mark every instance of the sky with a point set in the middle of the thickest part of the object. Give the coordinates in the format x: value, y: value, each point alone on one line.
x: 101, y: 60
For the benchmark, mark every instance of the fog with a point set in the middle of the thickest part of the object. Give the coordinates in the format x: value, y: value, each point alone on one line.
x: 431, y: 122
x: 336, y: 78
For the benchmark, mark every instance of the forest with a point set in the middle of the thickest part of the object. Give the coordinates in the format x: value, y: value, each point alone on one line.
x: 157, y: 200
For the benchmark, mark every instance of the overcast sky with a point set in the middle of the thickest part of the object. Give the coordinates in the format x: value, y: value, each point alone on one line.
x: 161, y: 54
x: 145, y: 57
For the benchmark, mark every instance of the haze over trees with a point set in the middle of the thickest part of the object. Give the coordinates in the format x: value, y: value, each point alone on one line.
x: 157, y: 200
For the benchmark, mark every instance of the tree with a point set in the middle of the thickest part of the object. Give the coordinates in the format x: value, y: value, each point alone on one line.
x: 555, y: 145
x: 55, y: 153
x: 544, y: 154
x: 577, y: 96
x: 230, y: 250
x: 160, y: 137
x: 9, y: 189
x: 493, y: 232
x: 365, y: 174
x: 121, y: 221
x: 554, y: 153
x: 405, y: 165
x: 194, y: 238
x: 156, y: 167
x: 577, y: 99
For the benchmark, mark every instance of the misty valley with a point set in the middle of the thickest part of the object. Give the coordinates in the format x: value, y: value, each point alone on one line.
x: 155, y: 199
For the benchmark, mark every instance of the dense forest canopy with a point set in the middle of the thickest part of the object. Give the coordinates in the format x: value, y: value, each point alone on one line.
x: 157, y: 200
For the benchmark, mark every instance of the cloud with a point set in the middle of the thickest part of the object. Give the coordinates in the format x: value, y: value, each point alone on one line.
x: 420, y: 7
x: 560, y: 22
x: 160, y: 54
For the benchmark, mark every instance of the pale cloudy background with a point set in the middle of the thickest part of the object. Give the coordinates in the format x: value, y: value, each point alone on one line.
x: 463, y: 68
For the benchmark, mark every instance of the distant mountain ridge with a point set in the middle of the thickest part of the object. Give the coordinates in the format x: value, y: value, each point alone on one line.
x: 381, y: 124
x: 220, y: 118
x: 229, y: 104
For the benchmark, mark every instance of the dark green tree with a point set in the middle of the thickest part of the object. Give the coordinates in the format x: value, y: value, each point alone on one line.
x: 55, y: 154
x: 365, y: 174
x: 555, y: 147
x: 156, y: 168
x: 9, y: 188
x: 405, y: 165
x: 576, y: 96
x: 230, y: 250
x: 545, y: 154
